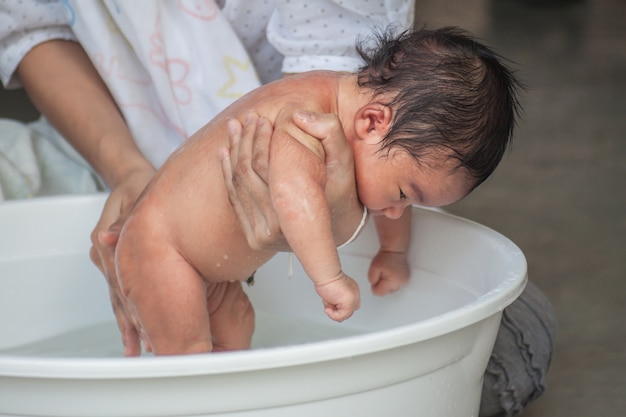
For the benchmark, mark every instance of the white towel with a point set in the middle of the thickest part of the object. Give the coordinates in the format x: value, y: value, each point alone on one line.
x: 36, y: 161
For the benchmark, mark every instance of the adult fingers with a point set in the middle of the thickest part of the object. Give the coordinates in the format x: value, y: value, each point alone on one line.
x: 327, y: 128
x: 236, y: 202
x: 261, y: 142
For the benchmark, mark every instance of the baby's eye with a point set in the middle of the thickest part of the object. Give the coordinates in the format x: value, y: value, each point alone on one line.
x: 402, y: 195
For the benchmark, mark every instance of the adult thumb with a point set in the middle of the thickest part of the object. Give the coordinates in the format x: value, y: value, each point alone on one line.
x: 327, y: 128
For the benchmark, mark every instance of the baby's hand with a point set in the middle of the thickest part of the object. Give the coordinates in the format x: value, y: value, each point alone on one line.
x: 389, y: 271
x: 341, y: 297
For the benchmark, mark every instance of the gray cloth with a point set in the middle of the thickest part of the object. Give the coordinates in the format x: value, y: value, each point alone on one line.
x: 521, y: 355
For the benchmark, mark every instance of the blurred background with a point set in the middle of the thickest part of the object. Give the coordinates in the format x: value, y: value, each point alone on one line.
x: 560, y: 194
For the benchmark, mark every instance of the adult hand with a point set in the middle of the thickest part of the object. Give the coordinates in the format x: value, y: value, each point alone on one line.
x: 339, y: 159
x: 61, y: 80
x: 245, y: 170
x: 104, y: 238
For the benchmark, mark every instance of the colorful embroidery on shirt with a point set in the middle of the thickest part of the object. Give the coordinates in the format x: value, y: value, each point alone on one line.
x: 232, y: 66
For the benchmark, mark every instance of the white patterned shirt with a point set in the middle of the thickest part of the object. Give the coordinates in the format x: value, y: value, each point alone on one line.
x: 173, y: 65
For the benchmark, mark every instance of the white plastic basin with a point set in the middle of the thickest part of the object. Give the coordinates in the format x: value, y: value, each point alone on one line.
x: 419, y: 352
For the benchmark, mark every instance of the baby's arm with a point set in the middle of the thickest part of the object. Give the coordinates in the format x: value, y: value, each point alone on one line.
x: 389, y: 270
x: 297, y: 178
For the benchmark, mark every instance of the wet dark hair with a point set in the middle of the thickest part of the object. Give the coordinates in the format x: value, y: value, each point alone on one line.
x: 447, y: 91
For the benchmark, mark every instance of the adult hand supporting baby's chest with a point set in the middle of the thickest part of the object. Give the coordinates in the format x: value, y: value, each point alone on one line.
x: 245, y: 170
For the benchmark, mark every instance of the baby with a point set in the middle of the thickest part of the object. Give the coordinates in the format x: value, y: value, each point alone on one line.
x: 428, y: 118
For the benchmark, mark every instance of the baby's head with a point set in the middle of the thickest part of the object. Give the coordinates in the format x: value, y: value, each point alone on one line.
x: 451, y: 96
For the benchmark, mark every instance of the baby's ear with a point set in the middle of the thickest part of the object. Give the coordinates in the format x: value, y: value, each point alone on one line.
x: 373, y: 121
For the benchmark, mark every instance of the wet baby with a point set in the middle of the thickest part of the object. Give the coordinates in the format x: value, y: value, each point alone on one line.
x: 428, y: 118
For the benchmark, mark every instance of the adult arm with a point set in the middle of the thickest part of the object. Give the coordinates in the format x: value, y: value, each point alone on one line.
x: 36, y: 51
x: 63, y: 84
x: 66, y: 88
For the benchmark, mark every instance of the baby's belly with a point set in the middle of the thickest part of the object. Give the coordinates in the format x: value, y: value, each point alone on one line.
x: 206, y: 231
x: 226, y: 256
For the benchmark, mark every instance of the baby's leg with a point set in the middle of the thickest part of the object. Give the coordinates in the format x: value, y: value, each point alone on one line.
x: 167, y: 294
x: 231, y: 315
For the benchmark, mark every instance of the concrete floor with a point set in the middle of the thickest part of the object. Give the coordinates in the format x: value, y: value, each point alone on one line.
x: 561, y: 193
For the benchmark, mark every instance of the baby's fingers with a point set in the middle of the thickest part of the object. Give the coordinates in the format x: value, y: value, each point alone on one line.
x: 342, y: 311
x: 385, y: 287
x: 337, y: 313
